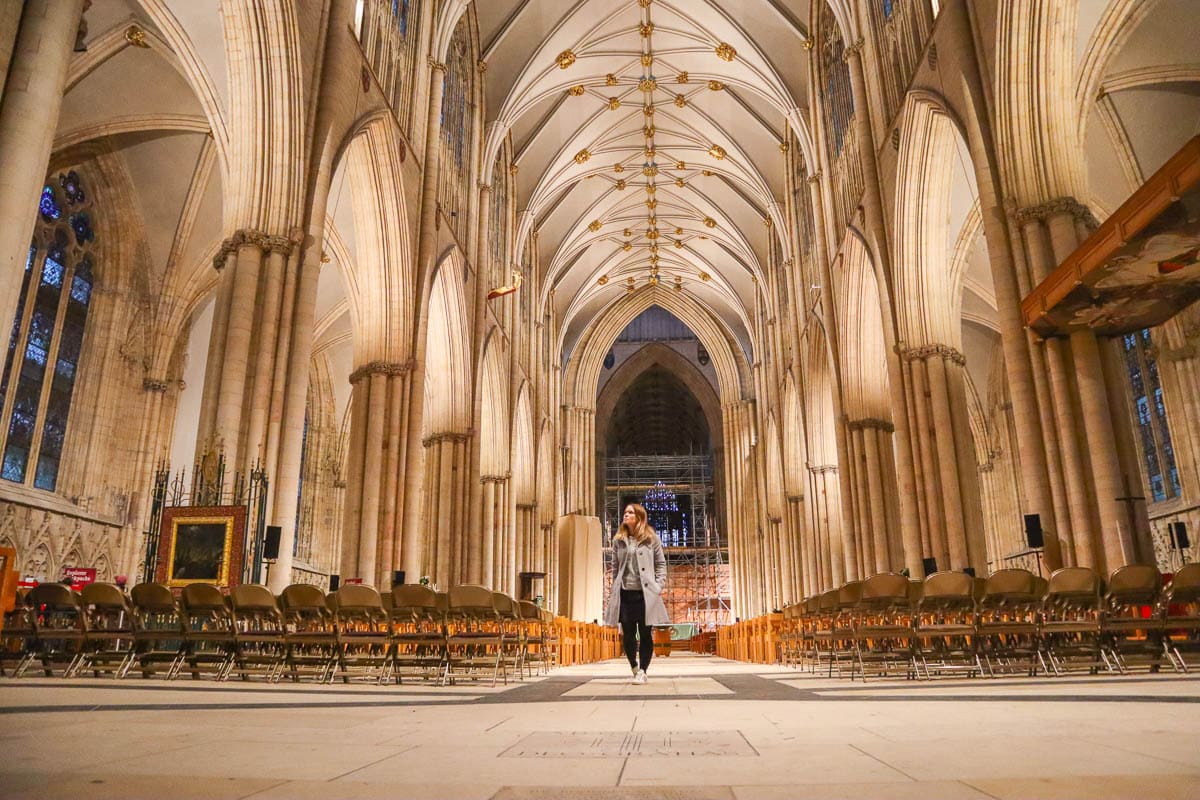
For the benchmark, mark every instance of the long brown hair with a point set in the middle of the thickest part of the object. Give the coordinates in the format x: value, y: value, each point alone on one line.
x: 641, y: 532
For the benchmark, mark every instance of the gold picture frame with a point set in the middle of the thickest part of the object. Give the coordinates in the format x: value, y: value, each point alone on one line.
x: 201, y: 545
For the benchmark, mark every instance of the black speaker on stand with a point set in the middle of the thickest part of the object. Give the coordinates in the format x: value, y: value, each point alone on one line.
x: 1179, y: 535
x: 270, y: 550
x: 334, y: 582
x: 1179, y: 540
x: 1033, y: 531
x: 397, y: 578
x: 929, y: 565
x: 1034, y: 537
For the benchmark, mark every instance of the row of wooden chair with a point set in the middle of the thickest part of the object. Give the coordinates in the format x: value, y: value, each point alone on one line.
x: 1010, y: 622
x: 354, y: 632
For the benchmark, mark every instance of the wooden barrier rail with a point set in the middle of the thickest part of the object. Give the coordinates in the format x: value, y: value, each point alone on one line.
x: 585, y: 642
x: 754, y: 640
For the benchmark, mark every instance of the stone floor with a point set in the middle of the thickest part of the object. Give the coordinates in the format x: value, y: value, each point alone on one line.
x: 701, y: 728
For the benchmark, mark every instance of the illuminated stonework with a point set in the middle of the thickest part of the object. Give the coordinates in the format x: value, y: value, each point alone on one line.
x: 582, y: 156
x: 726, y: 52
x: 565, y: 59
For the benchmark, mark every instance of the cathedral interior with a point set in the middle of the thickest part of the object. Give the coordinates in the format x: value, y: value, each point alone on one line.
x: 836, y: 288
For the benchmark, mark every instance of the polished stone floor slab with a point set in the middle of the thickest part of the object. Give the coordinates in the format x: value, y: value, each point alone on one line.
x: 702, y: 728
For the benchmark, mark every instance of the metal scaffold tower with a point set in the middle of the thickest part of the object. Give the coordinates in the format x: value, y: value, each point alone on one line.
x: 678, y: 494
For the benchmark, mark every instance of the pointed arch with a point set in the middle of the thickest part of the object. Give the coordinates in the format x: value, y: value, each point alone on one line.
x: 494, y: 423
x: 928, y: 281
x: 792, y: 434
x: 448, y: 354
x: 381, y: 286
x: 524, y: 485
x: 583, y: 368
x: 862, y: 349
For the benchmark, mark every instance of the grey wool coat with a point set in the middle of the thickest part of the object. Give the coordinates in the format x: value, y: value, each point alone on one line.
x: 652, y: 564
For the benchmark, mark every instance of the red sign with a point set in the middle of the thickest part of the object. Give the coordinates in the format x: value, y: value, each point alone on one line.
x: 353, y: 580
x: 79, y: 576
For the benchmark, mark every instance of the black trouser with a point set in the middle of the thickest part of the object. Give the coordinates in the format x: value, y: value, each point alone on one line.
x: 634, y: 627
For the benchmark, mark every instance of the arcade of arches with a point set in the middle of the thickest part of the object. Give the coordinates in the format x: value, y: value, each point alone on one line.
x: 286, y: 232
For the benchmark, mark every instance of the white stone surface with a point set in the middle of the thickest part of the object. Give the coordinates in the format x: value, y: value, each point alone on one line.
x: 968, y: 739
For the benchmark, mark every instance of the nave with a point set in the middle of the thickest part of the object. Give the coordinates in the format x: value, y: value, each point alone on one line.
x: 702, y: 727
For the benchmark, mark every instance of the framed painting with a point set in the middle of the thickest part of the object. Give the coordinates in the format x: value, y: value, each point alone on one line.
x: 201, y: 544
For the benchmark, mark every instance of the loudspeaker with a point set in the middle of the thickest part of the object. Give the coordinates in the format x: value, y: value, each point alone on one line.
x: 1179, y: 535
x: 334, y: 582
x: 398, y: 577
x: 969, y: 571
x: 271, y: 543
x: 930, y: 565
x: 1033, y: 530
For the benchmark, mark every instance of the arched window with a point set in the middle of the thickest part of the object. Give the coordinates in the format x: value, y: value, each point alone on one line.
x: 458, y: 129
x: 1150, y: 414
x: 835, y: 74
x: 47, y: 336
x: 498, y: 224
x: 387, y: 34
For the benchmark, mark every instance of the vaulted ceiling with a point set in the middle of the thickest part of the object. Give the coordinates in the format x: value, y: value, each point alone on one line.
x: 647, y: 136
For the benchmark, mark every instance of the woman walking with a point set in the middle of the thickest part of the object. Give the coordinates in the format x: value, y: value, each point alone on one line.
x: 635, y: 600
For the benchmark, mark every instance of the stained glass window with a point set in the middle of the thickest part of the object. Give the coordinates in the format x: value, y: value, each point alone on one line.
x: 47, y: 331
x: 887, y: 6
x: 1150, y: 414
x: 458, y: 128
x: 49, y: 205
x: 386, y: 31
x: 839, y: 98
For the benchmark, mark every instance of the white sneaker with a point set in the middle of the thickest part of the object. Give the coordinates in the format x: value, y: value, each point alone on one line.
x: 640, y: 677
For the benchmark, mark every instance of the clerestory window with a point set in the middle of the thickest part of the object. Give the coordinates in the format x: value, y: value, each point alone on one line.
x: 46, y: 342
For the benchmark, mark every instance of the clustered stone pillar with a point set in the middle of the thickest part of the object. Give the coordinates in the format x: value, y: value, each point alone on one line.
x: 32, y: 97
x: 949, y: 509
x: 744, y: 536
x: 1085, y: 434
x: 873, y: 538
x: 446, y: 503
x: 245, y: 345
x: 496, y: 566
x: 580, y: 425
x: 799, y: 578
x: 825, y: 559
x: 371, y: 545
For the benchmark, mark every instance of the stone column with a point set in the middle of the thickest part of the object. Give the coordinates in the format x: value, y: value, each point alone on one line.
x: 905, y: 485
x: 1041, y: 492
x: 29, y: 108
x: 376, y: 433
x: 410, y: 515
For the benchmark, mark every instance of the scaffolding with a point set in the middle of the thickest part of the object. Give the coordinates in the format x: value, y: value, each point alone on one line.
x: 698, y: 583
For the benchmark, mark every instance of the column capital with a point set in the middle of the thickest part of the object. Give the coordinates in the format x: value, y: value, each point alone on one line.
x: 821, y: 469
x: 853, y: 48
x: 493, y: 478
x: 381, y: 368
x: 446, y: 436
x: 436, y: 66
x: 159, y: 385
x: 815, y: 178
x: 1051, y: 208
x: 264, y: 241
x: 925, y: 351
x: 527, y: 506
x: 870, y: 423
